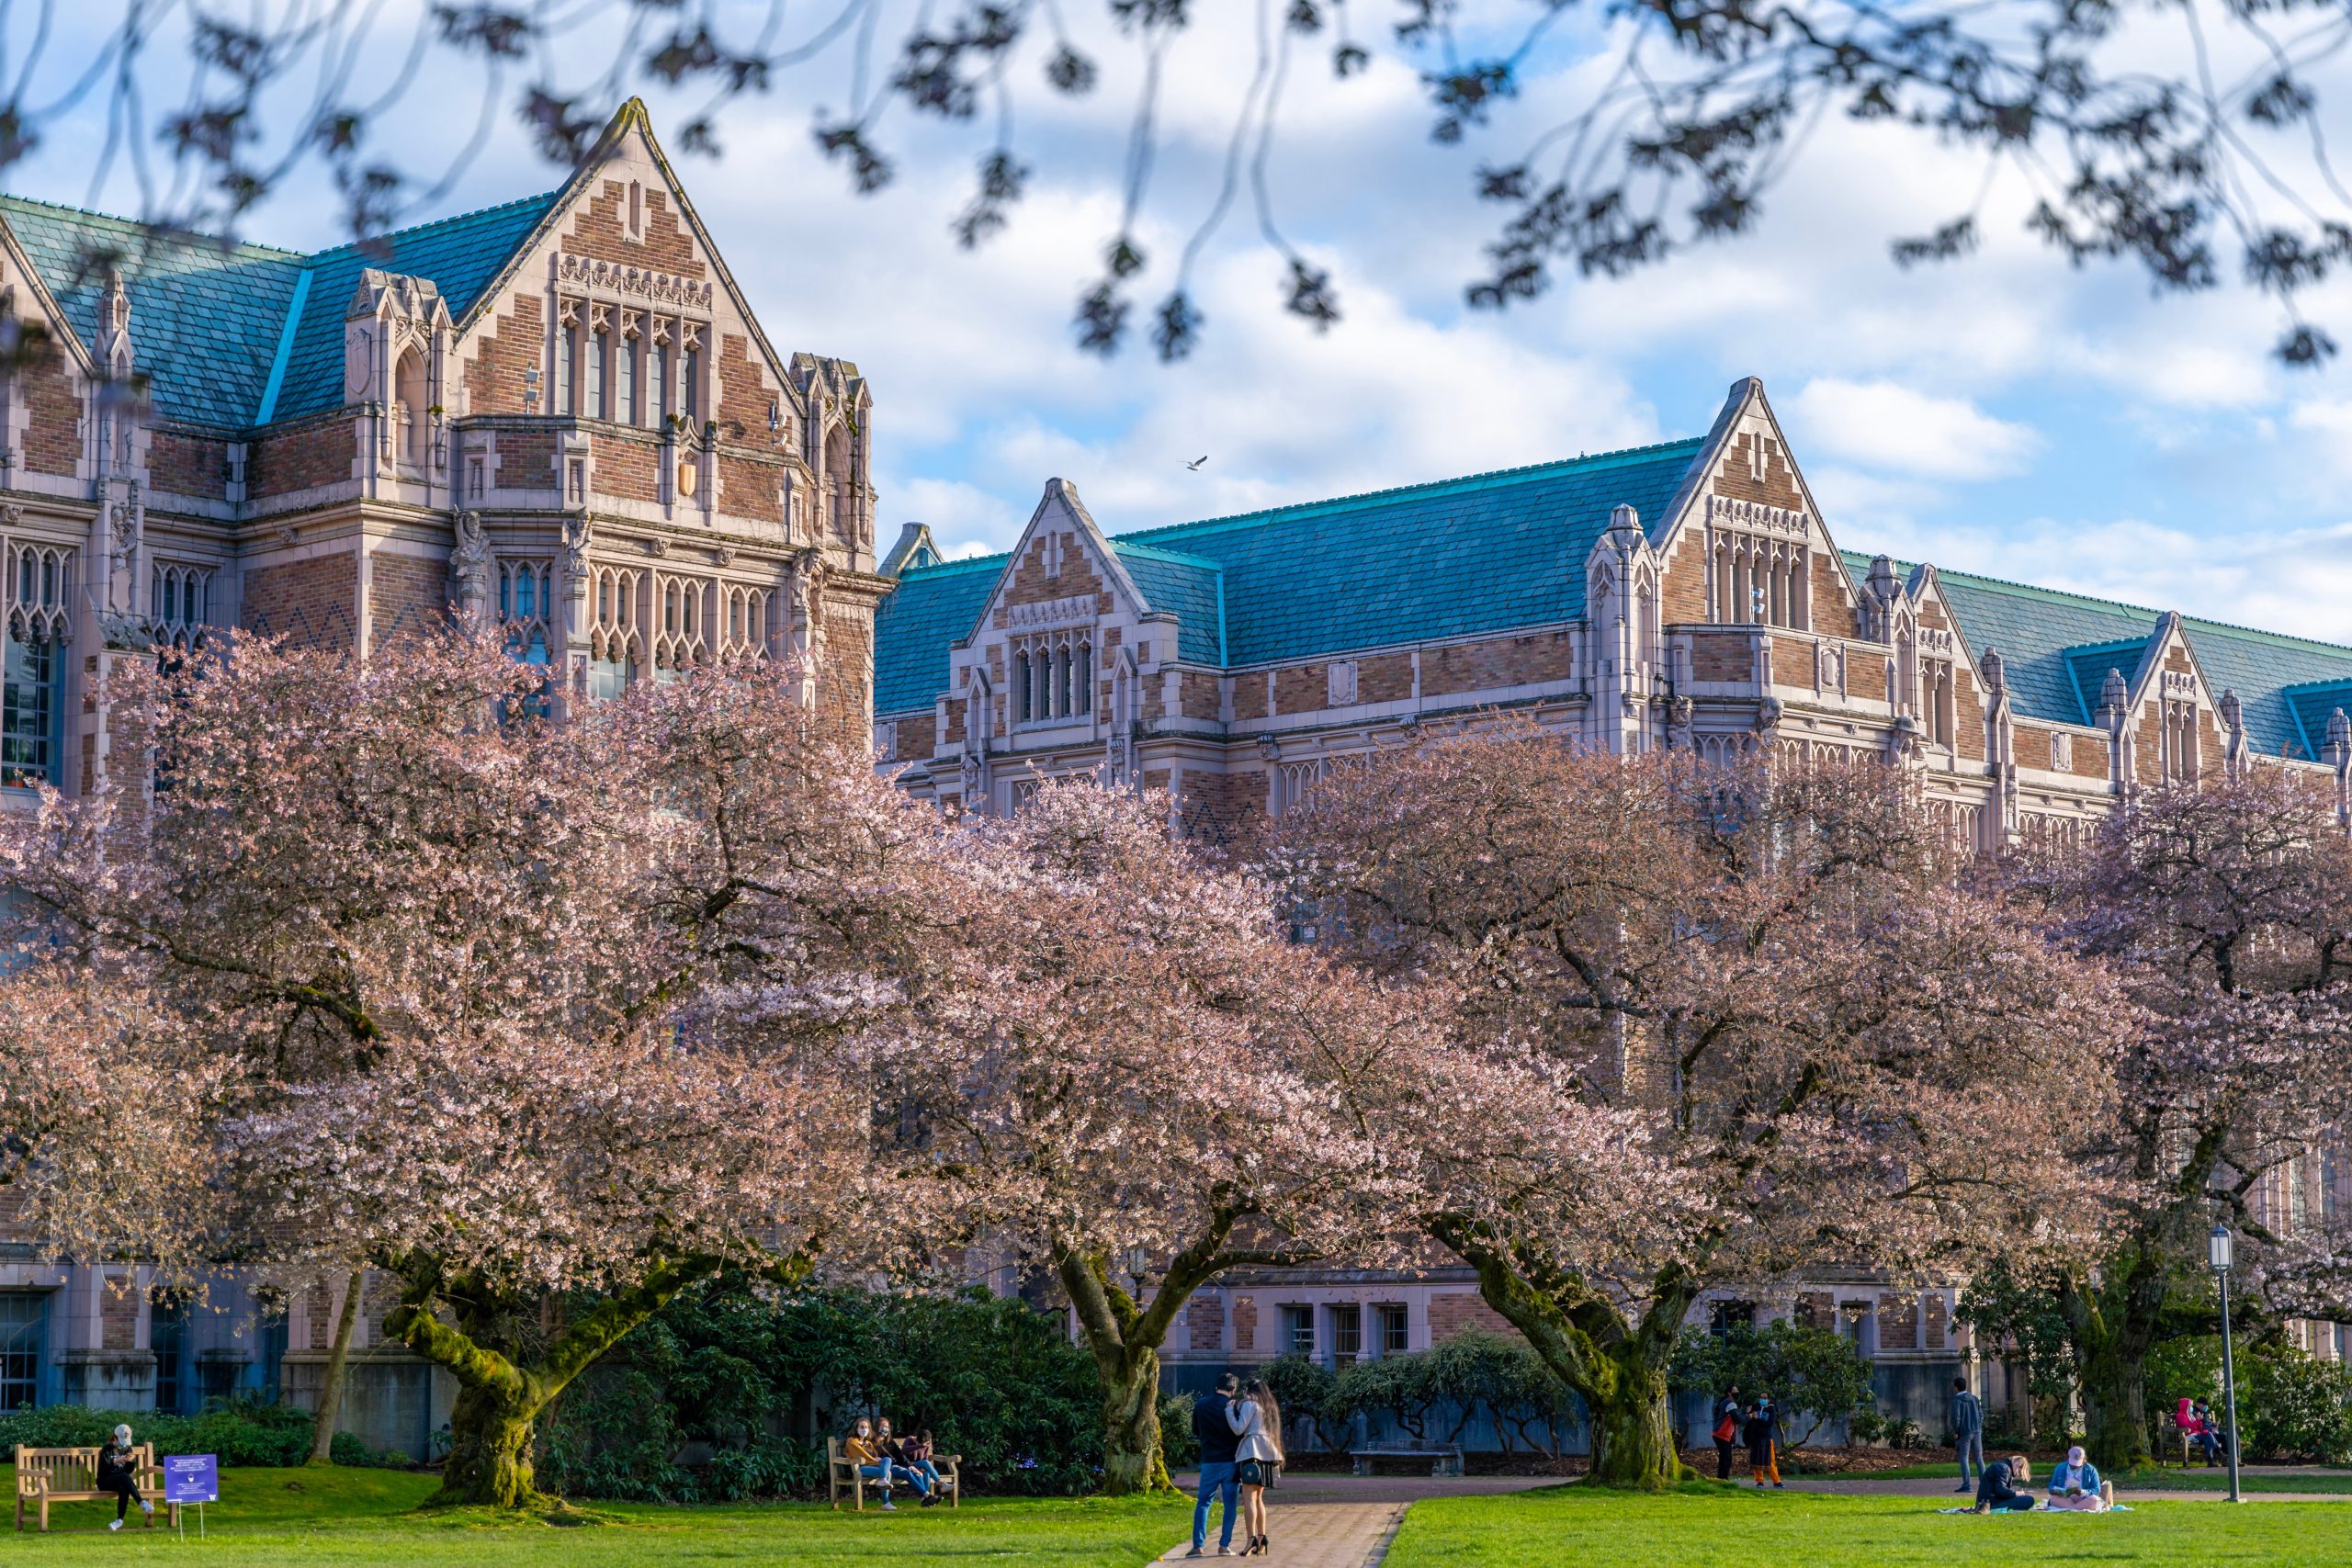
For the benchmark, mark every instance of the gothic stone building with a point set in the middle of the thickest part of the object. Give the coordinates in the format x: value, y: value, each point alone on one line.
x: 560, y: 414
x: 1687, y: 595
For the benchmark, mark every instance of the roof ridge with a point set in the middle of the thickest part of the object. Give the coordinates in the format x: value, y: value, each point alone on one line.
x: 943, y: 566
x: 313, y: 258
x: 171, y: 230
x: 1272, y: 514
x: 2228, y: 628
x: 1160, y: 552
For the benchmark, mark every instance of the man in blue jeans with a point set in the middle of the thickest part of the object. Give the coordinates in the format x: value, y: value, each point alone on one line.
x: 1217, y: 1445
x: 1966, y: 1419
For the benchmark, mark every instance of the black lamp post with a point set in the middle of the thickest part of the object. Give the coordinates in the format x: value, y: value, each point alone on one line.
x: 2219, y: 1252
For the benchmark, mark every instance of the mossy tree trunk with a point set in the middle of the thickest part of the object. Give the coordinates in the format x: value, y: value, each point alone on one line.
x: 501, y: 1392
x: 338, y: 1370
x: 1617, y: 1365
x: 1125, y: 1337
x: 2113, y: 1324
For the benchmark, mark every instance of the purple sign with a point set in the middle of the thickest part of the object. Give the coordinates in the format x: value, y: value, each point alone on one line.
x: 191, y: 1478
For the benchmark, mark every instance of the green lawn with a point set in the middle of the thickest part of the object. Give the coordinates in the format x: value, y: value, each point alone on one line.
x: 2168, y: 1480
x: 268, y: 1518
x: 1709, y: 1526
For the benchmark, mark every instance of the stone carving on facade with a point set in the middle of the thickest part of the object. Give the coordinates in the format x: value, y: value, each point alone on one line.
x: 577, y: 536
x: 808, y: 630
x: 1681, y: 716
x: 657, y: 547
x: 1270, y: 747
x: 1767, y: 719
x: 643, y: 283
x: 469, y: 566
x: 2235, y: 751
x: 12, y: 514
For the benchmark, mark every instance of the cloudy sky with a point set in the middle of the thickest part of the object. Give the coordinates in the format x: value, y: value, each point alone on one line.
x: 2005, y: 413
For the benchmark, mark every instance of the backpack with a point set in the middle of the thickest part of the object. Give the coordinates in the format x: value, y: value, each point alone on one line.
x: 1726, y: 1430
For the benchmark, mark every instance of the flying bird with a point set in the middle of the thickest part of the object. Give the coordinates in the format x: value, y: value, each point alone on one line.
x: 1195, y: 464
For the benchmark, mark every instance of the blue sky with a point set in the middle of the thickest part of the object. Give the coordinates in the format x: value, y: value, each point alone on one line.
x: 2005, y: 413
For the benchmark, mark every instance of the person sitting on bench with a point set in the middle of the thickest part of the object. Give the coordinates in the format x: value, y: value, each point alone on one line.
x: 1995, y: 1495
x: 878, y: 1467
x: 118, y: 1474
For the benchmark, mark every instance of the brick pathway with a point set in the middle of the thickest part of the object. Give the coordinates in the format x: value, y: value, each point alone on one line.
x: 1316, y: 1535
x: 1339, y: 1521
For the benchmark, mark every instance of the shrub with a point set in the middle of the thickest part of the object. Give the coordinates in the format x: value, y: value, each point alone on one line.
x: 1435, y: 1394
x: 1814, y: 1372
x: 1302, y: 1387
x: 741, y: 1371
x: 1177, y: 1443
x: 346, y: 1449
x: 242, y: 1431
x: 2292, y: 1406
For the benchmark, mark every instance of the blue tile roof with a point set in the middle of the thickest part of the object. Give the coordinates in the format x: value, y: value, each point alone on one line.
x: 1191, y: 586
x: 2057, y: 647
x: 932, y: 607
x: 1453, y: 558
x: 205, y: 313
x: 460, y: 255
x: 216, y: 325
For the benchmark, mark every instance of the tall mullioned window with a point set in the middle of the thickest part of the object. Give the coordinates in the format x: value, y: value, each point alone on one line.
x: 657, y: 384
x: 625, y: 381
x: 567, y: 357
x: 24, y: 1325
x: 32, y: 665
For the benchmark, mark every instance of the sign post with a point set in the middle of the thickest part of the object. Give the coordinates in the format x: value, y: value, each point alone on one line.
x: 192, y: 1478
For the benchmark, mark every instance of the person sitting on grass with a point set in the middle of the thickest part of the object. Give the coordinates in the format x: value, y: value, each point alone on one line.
x: 1995, y: 1491
x: 2074, y: 1486
x: 911, y: 1455
x: 118, y: 1474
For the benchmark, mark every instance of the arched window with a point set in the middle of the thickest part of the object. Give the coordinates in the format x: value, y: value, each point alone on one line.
x: 625, y: 379
x: 1082, y: 686
x: 1062, y: 703
x: 1020, y: 688
x: 408, y: 390
x: 600, y: 389
x: 657, y: 384
x: 690, y: 381
x: 567, y: 359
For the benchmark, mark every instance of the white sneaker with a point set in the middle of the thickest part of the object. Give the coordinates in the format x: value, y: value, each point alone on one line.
x: 114, y: 1524
x: 890, y: 1508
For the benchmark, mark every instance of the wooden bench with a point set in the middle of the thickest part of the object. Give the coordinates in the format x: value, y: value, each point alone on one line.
x: 840, y: 1476
x: 71, y: 1475
x: 1445, y: 1459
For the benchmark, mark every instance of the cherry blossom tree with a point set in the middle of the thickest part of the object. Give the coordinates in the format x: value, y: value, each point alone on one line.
x: 1753, y: 989
x: 512, y: 1007
x: 1140, y: 1082
x: 105, y: 1107
x: 2226, y: 910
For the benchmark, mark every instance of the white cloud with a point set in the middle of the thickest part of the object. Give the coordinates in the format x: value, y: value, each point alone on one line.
x: 1881, y: 424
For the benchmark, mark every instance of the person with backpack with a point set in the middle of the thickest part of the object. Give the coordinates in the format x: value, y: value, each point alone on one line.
x: 1726, y: 1430
x: 1966, y: 1418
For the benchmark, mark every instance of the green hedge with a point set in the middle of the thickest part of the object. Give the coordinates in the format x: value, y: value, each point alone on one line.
x: 743, y: 1370
x: 241, y: 1432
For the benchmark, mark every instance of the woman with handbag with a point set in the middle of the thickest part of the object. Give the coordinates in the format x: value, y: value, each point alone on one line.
x: 1257, y: 1423
x: 1726, y: 1432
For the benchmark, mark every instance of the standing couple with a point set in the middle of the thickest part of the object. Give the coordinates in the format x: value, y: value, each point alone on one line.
x: 1240, y: 1429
